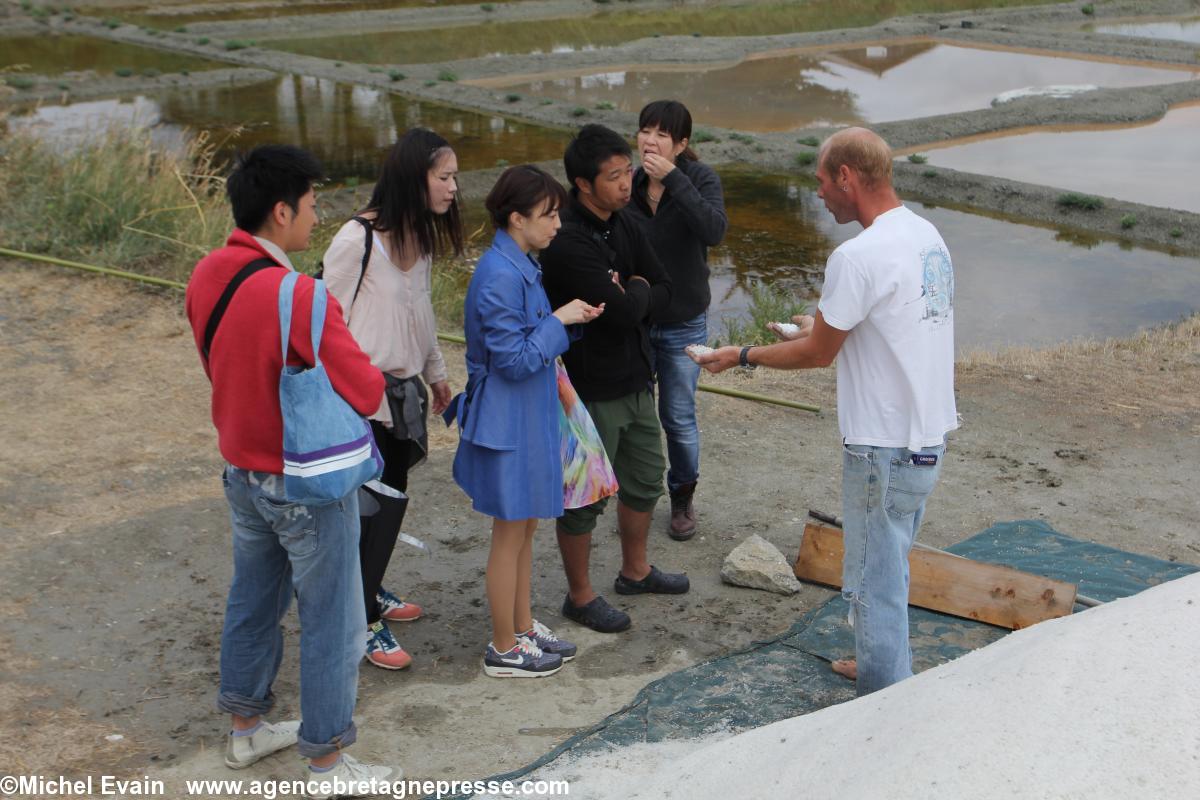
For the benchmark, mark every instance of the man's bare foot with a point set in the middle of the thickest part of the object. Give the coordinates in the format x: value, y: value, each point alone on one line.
x: 846, y: 667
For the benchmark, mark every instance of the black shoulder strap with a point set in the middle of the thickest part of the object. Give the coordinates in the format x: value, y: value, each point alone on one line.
x: 610, y: 255
x: 214, y: 319
x: 362, y: 270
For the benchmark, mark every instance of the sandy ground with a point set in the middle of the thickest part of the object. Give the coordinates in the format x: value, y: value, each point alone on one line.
x: 115, y: 559
x: 1043, y: 29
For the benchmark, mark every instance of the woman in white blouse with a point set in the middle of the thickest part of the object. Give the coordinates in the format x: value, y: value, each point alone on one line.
x: 379, y: 266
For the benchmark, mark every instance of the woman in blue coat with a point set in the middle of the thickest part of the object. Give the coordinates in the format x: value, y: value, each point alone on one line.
x: 509, y: 460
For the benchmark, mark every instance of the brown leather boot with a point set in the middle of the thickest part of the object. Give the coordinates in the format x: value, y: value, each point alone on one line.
x: 683, y: 513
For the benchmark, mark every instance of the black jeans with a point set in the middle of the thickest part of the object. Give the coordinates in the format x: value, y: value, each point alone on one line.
x: 376, y: 542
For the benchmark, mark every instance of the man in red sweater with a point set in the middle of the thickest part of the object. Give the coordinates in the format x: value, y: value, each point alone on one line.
x: 281, y: 548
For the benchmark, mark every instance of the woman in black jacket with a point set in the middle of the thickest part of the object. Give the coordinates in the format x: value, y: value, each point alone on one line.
x: 683, y: 207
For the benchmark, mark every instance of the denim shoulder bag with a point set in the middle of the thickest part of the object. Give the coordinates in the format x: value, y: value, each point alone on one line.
x: 328, y: 448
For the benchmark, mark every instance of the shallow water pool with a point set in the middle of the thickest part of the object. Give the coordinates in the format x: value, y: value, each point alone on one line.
x: 349, y: 128
x: 867, y: 84
x: 1015, y: 283
x: 54, y: 55
x: 1156, y: 163
x: 1181, y: 30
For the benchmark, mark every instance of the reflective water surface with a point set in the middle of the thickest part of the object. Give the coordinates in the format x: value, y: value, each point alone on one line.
x: 348, y: 127
x: 1157, y: 163
x: 608, y: 28
x: 1183, y: 30
x: 54, y: 55
x: 1015, y: 284
x: 879, y: 83
x: 163, y: 15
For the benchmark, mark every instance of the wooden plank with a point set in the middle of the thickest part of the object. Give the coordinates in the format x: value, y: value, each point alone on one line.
x: 949, y: 584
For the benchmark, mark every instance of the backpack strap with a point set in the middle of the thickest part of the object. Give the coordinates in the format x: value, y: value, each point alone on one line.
x: 287, y: 289
x: 369, y: 227
x: 214, y: 319
x: 610, y: 255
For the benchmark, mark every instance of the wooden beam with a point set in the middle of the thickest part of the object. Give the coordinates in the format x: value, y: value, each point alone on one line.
x: 950, y: 584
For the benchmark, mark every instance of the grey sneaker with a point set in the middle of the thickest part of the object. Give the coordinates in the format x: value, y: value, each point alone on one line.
x: 242, y: 751
x: 349, y: 778
x: 546, y: 641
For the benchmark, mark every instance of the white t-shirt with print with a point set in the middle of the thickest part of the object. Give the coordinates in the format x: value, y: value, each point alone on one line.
x: 892, y: 287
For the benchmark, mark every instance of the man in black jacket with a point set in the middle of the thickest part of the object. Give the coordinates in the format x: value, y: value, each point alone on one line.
x: 602, y: 256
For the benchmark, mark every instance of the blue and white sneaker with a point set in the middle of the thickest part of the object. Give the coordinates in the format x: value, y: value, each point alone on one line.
x: 525, y: 660
x: 548, y: 642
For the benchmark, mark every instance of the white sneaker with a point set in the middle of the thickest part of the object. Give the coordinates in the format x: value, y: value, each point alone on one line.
x: 349, y: 779
x: 242, y: 751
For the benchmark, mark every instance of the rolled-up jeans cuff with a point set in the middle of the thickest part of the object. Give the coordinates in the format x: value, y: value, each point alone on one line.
x: 340, y: 742
x: 243, y: 706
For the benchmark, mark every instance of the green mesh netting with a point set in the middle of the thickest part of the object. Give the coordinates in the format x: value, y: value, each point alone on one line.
x: 790, y: 675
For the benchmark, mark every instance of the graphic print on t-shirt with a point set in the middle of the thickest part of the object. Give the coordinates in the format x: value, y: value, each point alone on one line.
x: 937, y: 285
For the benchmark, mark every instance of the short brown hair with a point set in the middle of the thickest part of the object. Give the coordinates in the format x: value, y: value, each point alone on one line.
x: 861, y: 150
x: 522, y: 189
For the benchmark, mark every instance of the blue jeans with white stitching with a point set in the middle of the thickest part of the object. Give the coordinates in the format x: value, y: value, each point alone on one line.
x: 281, y: 548
x: 884, y: 490
x: 678, y: 376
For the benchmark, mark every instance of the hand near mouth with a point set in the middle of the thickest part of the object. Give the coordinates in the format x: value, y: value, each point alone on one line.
x: 656, y: 166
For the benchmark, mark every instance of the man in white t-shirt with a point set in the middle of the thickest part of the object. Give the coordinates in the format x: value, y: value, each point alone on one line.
x: 887, y: 314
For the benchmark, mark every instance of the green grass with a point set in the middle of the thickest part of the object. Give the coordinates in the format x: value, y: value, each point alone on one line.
x: 448, y: 76
x: 1128, y: 221
x: 181, y: 29
x: 547, y: 102
x: 151, y: 72
x: 806, y: 158
x: 487, y: 8
x: 19, y: 82
x: 431, y: 83
x: 579, y: 111
x: 396, y: 75
x: 513, y: 97
x: 1088, y: 9
x: 203, y: 40
x: 501, y: 162
x: 917, y: 158
x: 123, y: 72
x: 768, y: 303
x: 237, y: 44
x: 1084, y: 202
x: 811, y: 141
x: 1176, y: 232
x: 700, y: 137
x: 131, y: 206
x: 112, y: 23
x: 929, y: 173
x: 742, y: 137
x: 63, y: 86
x: 605, y: 105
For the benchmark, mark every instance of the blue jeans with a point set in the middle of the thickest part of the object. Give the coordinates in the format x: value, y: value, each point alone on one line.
x: 884, y: 490
x: 280, y: 548
x: 678, y: 377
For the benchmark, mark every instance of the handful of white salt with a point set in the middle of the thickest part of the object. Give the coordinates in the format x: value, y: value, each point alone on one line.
x: 697, y: 350
x: 788, y: 329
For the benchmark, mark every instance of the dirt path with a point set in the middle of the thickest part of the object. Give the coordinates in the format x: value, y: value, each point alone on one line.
x: 115, y: 565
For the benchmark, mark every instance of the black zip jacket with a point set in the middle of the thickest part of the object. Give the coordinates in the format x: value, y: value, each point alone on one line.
x: 612, y: 357
x: 690, y: 219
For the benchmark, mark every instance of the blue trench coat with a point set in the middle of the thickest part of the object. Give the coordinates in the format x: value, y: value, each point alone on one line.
x: 509, y: 460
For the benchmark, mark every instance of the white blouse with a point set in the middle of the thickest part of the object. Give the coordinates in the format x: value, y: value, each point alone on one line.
x: 392, y: 318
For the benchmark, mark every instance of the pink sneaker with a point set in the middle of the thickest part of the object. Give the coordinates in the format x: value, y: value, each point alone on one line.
x: 383, y: 650
x: 393, y: 609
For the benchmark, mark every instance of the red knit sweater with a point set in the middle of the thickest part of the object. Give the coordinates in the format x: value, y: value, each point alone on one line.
x: 245, y: 361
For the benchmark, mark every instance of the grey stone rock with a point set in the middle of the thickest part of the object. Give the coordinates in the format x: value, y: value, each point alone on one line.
x: 758, y: 564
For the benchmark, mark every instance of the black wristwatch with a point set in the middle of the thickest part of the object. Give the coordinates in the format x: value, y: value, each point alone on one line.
x: 744, y: 360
